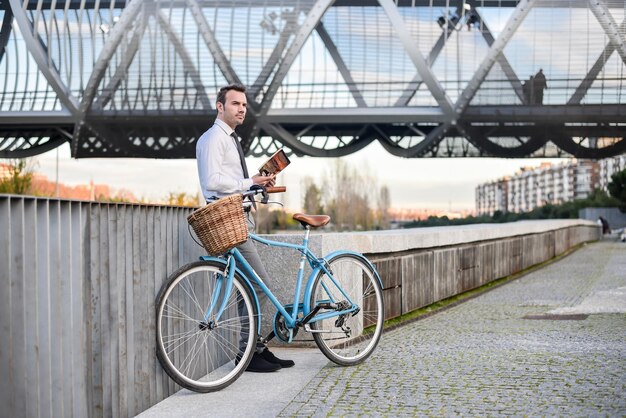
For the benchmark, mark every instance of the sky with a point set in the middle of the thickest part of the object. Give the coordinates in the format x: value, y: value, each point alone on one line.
x: 418, y: 183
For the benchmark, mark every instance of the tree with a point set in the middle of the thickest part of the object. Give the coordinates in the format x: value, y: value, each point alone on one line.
x: 384, y: 203
x: 338, y: 192
x: 352, y: 198
x: 598, y: 198
x: 20, y: 178
x: 268, y: 220
x: 265, y: 219
x: 617, y: 188
x: 346, y: 197
x: 181, y: 199
x: 312, y: 197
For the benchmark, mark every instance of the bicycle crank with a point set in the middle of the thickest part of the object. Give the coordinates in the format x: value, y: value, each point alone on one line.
x: 281, y: 331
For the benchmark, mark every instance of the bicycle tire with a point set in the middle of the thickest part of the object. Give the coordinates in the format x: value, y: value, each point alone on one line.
x: 203, y: 355
x: 347, y: 344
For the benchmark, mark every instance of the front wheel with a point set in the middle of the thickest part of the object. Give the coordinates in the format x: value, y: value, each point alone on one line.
x: 198, y: 349
x: 349, y: 338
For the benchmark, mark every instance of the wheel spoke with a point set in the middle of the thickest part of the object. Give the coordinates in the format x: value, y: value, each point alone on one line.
x: 176, y: 310
x: 179, y: 340
x: 343, y: 340
x: 196, y: 354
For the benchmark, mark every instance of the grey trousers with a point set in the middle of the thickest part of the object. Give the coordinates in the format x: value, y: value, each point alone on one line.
x: 249, y: 252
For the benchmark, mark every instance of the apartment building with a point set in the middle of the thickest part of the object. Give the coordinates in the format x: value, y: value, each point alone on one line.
x: 532, y: 187
x: 608, y: 167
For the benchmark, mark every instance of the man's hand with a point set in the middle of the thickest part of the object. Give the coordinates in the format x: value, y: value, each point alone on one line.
x: 268, y: 181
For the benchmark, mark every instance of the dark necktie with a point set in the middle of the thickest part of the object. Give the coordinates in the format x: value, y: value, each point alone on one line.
x: 242, y: 160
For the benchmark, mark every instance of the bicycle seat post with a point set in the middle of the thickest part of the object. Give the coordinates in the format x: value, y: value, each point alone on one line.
x: 305, y: 244
x: 307, y: 233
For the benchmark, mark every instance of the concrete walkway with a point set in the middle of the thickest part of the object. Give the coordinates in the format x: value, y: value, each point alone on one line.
x: 550, y: 343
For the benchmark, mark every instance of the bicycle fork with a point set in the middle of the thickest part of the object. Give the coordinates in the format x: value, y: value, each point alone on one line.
x: 225, y: 280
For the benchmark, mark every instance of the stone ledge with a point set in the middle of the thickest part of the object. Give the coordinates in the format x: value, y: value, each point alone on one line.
x: 443, y: 273
x: 398, y: 240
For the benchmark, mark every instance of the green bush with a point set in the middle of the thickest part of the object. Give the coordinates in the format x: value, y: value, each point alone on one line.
x: 20, y: 178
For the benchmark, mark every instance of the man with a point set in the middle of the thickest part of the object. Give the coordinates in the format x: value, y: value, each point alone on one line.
x: 222, y: 171
x: 540, y: 85
x: 528, y: 89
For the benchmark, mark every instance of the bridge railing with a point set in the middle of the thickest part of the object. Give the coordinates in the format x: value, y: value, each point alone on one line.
x: 79, y: 280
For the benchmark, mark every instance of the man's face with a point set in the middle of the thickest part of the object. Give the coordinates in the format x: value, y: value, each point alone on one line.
x: 233, y: 112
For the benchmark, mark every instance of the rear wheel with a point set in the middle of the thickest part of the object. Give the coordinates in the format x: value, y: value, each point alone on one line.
x: 352, y: 337
x: 201, y: 353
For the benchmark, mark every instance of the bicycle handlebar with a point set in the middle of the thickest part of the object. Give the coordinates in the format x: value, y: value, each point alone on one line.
x: 257, y: 189
x: 276, y: 189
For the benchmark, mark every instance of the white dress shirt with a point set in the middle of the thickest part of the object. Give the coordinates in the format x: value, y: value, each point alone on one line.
x: 219, y: 167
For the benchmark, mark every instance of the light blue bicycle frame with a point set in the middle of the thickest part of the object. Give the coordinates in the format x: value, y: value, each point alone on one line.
x: 234, y: 261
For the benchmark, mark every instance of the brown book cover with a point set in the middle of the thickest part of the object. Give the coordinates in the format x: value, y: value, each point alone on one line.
x: 275, y: 164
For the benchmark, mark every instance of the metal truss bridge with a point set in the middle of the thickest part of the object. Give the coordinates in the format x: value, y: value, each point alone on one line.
x: 425, y: 78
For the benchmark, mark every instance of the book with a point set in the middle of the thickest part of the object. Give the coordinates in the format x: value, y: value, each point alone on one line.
x: 275, y: 164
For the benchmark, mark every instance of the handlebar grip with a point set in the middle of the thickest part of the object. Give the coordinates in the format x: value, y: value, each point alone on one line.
x: 276, y: 189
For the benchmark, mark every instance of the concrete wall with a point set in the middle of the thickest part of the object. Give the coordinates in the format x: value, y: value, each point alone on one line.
x: 79, y: 281
x: 422, y: 266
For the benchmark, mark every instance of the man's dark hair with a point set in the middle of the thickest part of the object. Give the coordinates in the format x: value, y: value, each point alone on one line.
x: 221, y: 95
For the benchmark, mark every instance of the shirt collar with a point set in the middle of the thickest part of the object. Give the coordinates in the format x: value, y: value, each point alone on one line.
x: 227, y: 129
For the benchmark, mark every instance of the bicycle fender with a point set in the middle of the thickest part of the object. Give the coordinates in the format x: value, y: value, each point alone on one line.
x: 309, y: 284
x: 247, y: 282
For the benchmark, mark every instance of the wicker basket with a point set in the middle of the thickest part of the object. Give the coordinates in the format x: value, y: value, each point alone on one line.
x: 220, y: 225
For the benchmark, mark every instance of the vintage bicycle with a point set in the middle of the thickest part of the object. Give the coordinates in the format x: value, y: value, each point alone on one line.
x: 208, y: 315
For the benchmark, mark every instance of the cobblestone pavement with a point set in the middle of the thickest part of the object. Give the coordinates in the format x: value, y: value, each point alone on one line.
x: 483, y: 358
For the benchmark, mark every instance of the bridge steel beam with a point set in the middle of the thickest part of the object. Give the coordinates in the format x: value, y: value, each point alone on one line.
x: 255, y: 121
x: 119, y: 4
x: 447, y: 129
x: 416, y: 56
x: 188, y: 64
x: 341, y: 65
x: 118, y: 32
x: 504, y: 63
x: 594, y: 71
x: 5, y: 31
x: 41, y: 57
x: 32, y: 142
x: 120, y: 73
x: 211, y: 42
x: 313, y: 18
x: 612, y: 30
x: 292, y: 141
x: 290, y: 28
x: 427, y: 76
x: 516, y: 19
x: 415, y: 83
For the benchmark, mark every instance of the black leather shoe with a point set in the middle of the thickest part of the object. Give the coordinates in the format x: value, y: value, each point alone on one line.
x: 260, y: 365
x: 269, y: 356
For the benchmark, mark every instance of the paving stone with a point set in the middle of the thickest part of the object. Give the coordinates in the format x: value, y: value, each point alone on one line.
x: 483, y: 358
